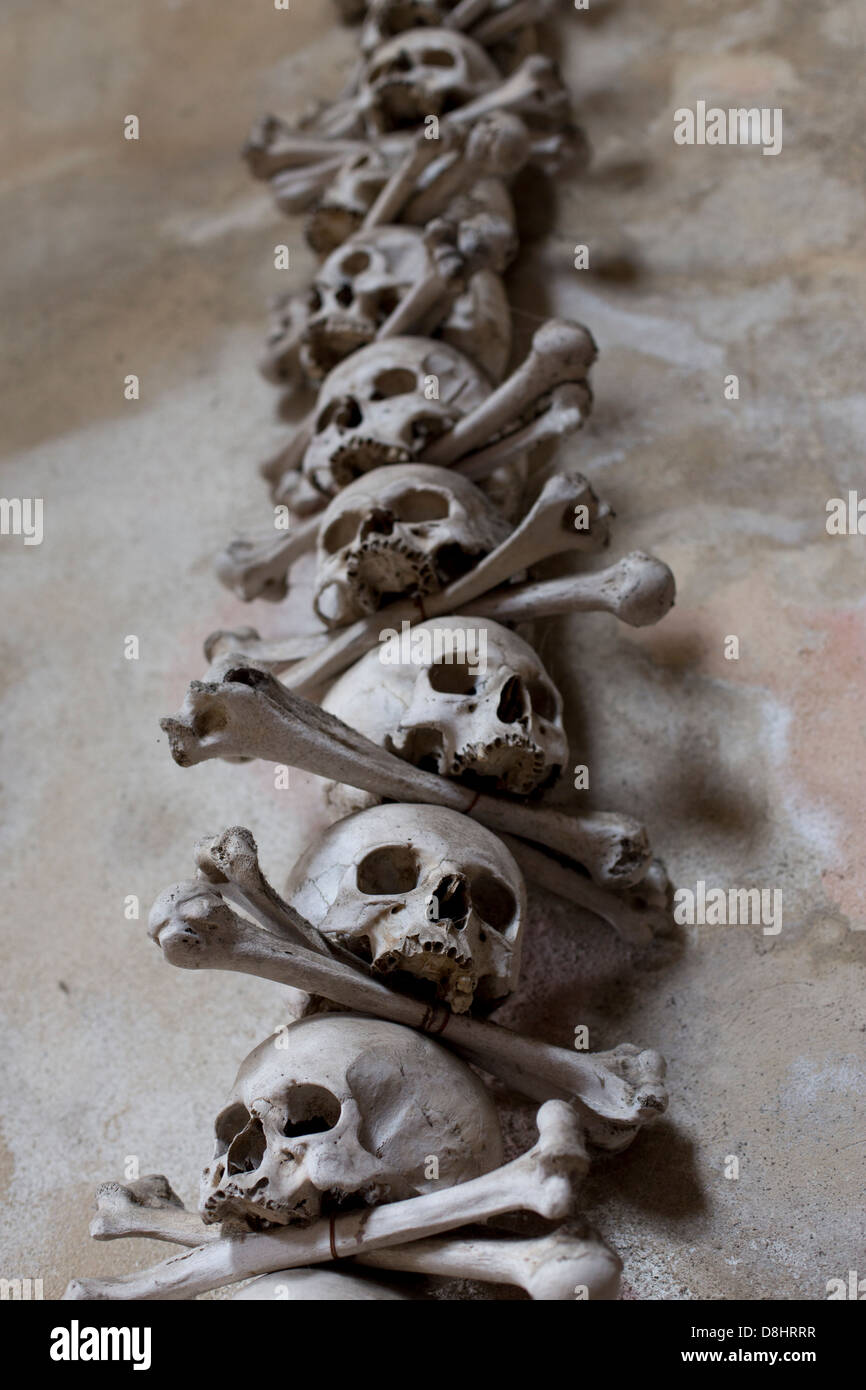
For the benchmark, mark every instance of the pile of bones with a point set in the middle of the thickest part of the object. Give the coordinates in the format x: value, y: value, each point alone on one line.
x: 364, y: 1135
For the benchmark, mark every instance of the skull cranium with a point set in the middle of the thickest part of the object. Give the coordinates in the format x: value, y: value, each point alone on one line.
x: 424, y: 72
x: 355, y: 290
x: 399, y: 532
x: 461, y: 696
x: 385, y: 404
x: 338, y: 1110
x: 420, y: 890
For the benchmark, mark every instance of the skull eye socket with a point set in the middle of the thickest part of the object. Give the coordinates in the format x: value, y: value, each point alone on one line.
x: 426, y: 428
x: 493, y: 900
x: 421, y: 504
x: 389, y: 869
x: 314, y: 300
x: 543, y: 699
x: 400, y: 62
x: 438, y: 58
x: 387, y: 302
x: 312, y: 1110
x: 341, y: 532
x: 452, y: 678
x: 396, y: 381
x: 354, y: 263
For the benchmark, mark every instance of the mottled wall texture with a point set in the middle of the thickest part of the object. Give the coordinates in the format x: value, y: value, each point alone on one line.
x: 706, y: 262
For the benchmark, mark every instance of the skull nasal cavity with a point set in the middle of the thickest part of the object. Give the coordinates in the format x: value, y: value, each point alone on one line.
x: 344, y: 411
x: 390, y: 869
x: 247, y: 1150
x: 452, y: 899
x: 378, y: 522
x: 513, y: 704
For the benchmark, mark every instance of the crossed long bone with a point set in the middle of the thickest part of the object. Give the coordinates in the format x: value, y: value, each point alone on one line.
x: 548, y: 1267
x: 614, y: 1092
x: 541, y: 1180
x: 249, y: 714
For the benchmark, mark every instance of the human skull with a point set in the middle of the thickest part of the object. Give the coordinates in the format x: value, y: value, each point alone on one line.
x: 338, y: 1110
x: 356, y: 289
x: 399, y: 532
x: 420, y: 890
x: 424, y: 72
x: 460, y: 696
x: 373, y: 409
x: 347, y: 200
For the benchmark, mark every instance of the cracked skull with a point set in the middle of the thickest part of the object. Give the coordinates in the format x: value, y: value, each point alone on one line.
x: 421, y: 890
x: 424, y: 72
x: 385, y: 404
x: 400, y: 532
x: 336, y: 1110
x: 460, y: 696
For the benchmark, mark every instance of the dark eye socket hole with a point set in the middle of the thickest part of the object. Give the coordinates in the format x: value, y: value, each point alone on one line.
x: 452, y: 678
x: 421, y: 504
x: 389, y: 869
x: 229, y: 1124
x: 314, y: 301
x: 387, y: 301
x: 397, y: 381
x: 426, y: 428
x: 493, y: 900
x: 355, y: 262
x: 452, y: 562
x: 437, y: 58
x: 401, y: 62
x: 543, y: 700
x: 342, y: 531
x: 344, y: 295
x: 312, y: 1110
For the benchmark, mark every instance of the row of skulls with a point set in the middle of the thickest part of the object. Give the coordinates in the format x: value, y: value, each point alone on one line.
x: 417, y: 234
x: 429, y: 899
